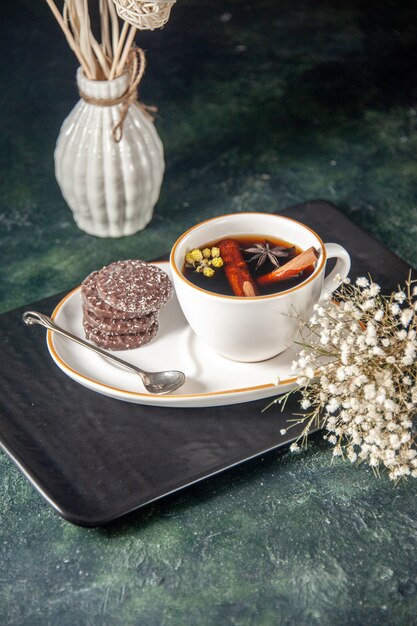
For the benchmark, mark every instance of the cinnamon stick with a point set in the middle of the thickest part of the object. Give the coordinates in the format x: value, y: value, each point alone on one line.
x: 291, y: 269
x: 236, y: 269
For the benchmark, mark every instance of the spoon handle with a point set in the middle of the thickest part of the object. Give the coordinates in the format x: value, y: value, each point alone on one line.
x: 33, y: 317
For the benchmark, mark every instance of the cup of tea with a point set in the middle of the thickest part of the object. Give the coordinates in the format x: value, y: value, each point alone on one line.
x: 245, y: 280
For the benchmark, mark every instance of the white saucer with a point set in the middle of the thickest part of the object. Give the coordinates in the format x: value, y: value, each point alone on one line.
x: 211, y: 380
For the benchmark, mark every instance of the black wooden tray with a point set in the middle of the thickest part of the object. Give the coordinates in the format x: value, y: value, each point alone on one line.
x: 95, y: 459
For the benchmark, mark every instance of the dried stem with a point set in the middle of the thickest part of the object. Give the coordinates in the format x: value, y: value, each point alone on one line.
x: 103, y: 58
x: 118, y: 50
x: 127, y: 46
x: 105, y: 29
x: 69, y: 37
x: 115, y: 31
x: 99, y: 54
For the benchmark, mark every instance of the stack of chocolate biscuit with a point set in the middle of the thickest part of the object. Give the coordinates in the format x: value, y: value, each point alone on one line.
x: 121, y: 304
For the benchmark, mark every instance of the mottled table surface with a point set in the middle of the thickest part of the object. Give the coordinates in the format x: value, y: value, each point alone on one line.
x: 261, y: 105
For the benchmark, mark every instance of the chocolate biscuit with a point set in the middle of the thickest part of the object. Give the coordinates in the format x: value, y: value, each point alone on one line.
x: 92, y: 301
x: 119, y: 342
x: 134, y: 287
x: 111, y: 326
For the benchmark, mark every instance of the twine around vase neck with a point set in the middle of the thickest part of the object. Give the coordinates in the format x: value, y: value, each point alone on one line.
x: 135, y: 66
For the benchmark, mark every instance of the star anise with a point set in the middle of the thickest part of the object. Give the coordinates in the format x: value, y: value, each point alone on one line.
x: 263, y: 251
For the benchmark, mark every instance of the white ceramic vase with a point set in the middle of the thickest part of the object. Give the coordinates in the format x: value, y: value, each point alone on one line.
x: 111, y: 187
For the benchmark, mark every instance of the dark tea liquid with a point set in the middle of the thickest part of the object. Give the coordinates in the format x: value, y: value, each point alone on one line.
x: 219, y: 283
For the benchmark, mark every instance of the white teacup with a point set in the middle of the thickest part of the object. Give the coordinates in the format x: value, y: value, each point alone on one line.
x: 253, y: 328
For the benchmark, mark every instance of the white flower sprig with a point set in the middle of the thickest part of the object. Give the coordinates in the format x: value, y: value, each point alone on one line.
x: 357, y: 374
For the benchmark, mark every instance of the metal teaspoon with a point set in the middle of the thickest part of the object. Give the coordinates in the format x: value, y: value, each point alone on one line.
x: 155, y: 382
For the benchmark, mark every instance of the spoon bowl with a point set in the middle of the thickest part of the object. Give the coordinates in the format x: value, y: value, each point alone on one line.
x: 164, y: 382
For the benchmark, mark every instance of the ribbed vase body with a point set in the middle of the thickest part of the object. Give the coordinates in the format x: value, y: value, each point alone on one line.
x: 110, y: 187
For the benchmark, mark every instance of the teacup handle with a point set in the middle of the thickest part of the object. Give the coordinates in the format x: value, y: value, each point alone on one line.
x: 342, y: 267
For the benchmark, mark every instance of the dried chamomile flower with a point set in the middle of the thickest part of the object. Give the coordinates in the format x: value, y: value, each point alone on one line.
x: 193, y: 257
x: 196, y: 254
x: 203, y: 261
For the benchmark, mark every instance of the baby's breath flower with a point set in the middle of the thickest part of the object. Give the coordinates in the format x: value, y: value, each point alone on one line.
x: 302, y: 362
x: 340, y: 374
x: 206, y: 253
x: 374, y: 289
x: 352, y: 456
x: 376, y: 351
x: 406, y: 317
x: 333, y: 405
x: 389, y: 405
x: 379, y: 315
x: 302, y: 381
x: 394, y: 442
x: 309, y: 372
x: 362, y: 281
x: 324, y: 338
x: 369, y: 391
x: 368, y: 305
x: 217, y: 262
x: 400, y: 296
x: 365, y: 394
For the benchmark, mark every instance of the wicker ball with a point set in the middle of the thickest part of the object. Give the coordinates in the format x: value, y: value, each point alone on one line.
x: 144, y: 14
